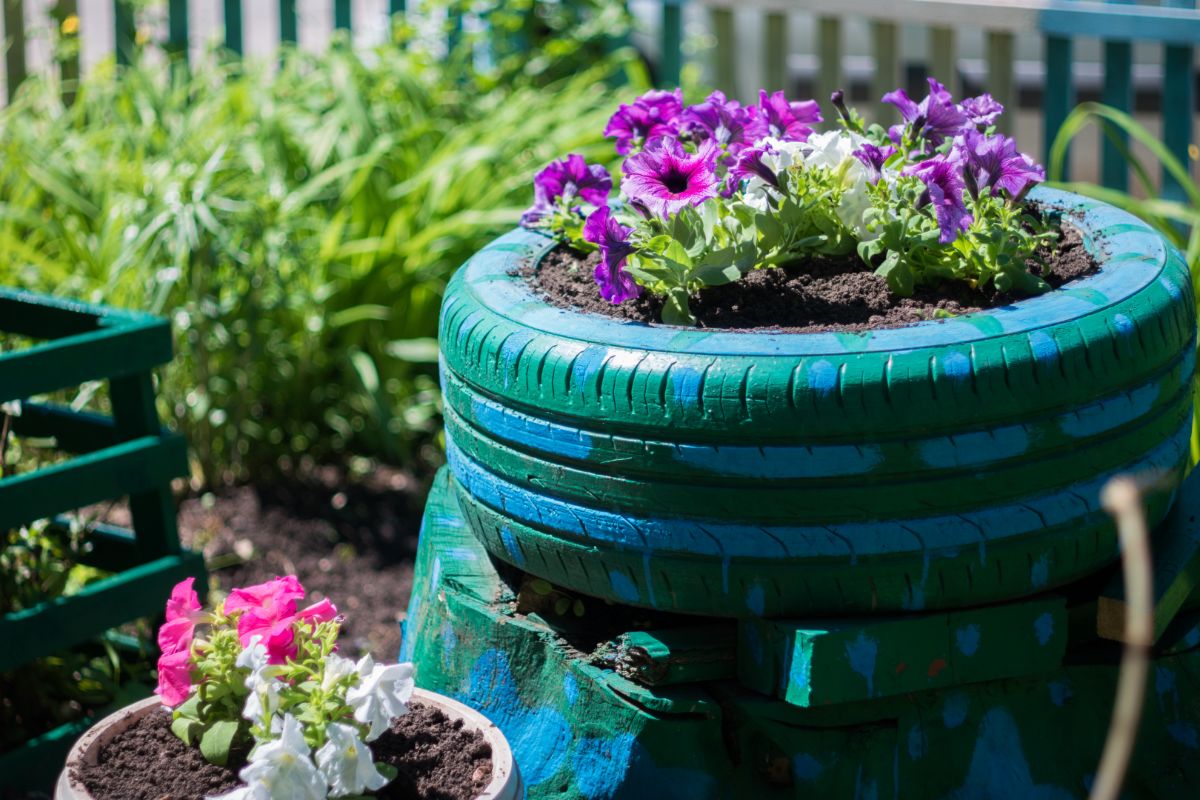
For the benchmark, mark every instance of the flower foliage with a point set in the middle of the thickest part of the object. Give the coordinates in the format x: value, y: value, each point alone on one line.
x: 713, y: 190
x: 259, y: 673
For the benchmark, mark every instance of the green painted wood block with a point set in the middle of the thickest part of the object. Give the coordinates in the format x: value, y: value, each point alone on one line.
x: 811, y: 664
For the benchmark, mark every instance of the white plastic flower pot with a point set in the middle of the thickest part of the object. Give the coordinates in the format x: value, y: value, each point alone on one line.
x: 505, y: 784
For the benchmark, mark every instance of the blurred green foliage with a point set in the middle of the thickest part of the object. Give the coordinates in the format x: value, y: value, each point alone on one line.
x: 297, y: 222
x: 1178, y: 220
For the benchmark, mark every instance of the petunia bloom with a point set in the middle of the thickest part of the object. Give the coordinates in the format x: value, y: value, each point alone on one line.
x: 780, y: 118
x: 566, y: 180
x: 873, y: 157
x: 275, y: 598
x: 346, y: 763
x: 654, y: 114
x: 724, y: 121
x: 604, y: 231
x: 665, y: 177
x: 750, y: 164
x: 943, y: 181
x: 936, y: 118
x: 323, y: 611
x: 174, y: 677
x: 993, y: 164
x: 382, y: 694
x: 982, y: 110
x: 282, y: 767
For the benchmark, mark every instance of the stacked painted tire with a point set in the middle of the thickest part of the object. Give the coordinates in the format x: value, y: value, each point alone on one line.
x: 944, y: 464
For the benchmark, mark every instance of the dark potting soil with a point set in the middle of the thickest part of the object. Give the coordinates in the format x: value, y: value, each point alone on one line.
x: 149, y: 762
x: 824, y: 294
x: 435, y: 757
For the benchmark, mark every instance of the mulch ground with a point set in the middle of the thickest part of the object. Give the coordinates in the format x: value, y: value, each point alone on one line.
x: 351, y: 540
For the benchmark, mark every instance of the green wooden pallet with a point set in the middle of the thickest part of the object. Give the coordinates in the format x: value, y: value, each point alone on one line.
x: 127, y: 454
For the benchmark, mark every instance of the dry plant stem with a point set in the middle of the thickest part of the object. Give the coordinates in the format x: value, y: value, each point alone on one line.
x: 1122, y: 498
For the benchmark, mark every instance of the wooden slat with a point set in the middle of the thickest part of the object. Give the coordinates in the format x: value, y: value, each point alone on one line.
x: 124, y: 30
x: 724, y: 58
x: 1001, y: 53
x: 287, y: 21
x: 943, y: 60
x: 1178, y: 104
x: 1118, y: 93
x: 126, y: 469
x: 885, y: 44
x: 152, y: 509
x: 177, y: 29
x: 73, y: 431
x: 14, y: 56
x: 829, y: 58
x: 670, y: 45
x: 233, y: 26
x: 775, y: 52
x: 77, y: 359
x: 1059, y: 95
x: 1176, y: 548
x: 68, y: 65
x: 67, y: 621
x: 811, y: 663
x: 341, y: 15
x: 397, y: 7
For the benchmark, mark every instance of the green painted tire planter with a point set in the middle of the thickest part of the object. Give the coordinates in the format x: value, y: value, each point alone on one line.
x: 726, y: 473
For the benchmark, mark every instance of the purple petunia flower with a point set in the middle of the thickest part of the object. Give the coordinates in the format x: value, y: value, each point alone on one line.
x: 936, y: 118
x: 942, y: 176
x: 724, y: 121
x: 567, y: 179
x: 665, y: 177
x: 981, y: 111
x: 993, y: 164
x: 872, y: 156
x: 776, y: 116
x: 750, y: 164
x: 654, y: 114
x: 603, y: 230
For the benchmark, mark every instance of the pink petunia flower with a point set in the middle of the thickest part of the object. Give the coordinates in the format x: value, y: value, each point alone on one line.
x: 275, y: 598
x: 323, y: 611
x: 665, y: 177
x: 604, y: 231
x: 174, y: 677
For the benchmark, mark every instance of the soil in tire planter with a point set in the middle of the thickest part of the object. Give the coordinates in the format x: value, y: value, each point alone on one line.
x: 437, y: 759
x: 824, y: 294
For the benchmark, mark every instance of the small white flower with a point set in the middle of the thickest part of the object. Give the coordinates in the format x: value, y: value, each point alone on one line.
x: 382, y: 694
x: 336, y: 668
x: 284, y: 767
x: 263, y: 700
x: 346, y: 762
x: 254, y: 656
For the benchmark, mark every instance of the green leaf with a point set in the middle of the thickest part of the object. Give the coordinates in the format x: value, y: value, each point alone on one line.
x: 898, y: 275
x: 541, y: 587
x: 186, y: 729
x: 561, y: 606
x: 216, y: 741
x: 675, y: 310
x: 387, y: 770
x: 414, y: 351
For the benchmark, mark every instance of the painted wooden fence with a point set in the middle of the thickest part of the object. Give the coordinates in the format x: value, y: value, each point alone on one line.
x: 1172, y: 24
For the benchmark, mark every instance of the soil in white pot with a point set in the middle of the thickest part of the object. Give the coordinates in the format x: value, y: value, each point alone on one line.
x: 823, y: 294
x: 437, y: 759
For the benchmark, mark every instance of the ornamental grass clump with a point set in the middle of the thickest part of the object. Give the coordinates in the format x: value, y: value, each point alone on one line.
x: 711, y: 191
x: 258, y: 674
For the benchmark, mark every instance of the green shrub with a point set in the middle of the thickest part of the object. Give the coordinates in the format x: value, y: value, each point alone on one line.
x: 297, y: 228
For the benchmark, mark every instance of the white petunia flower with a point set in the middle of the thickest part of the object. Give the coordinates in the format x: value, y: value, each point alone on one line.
x: 834, y: 150
x: 347, y: 763
x: 336, y: 668
x: 263, y: 700
x: 382, y: 694
x: 254, y: 656
x: 284, y: 767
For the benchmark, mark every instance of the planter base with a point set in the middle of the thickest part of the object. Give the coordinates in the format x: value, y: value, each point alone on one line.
x: 839, y: 711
